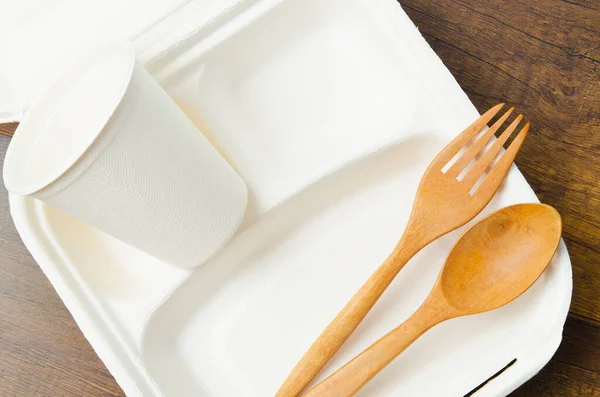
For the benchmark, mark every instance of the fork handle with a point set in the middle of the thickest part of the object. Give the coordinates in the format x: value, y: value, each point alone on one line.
x: 336, y: 333
x: 349, y: 379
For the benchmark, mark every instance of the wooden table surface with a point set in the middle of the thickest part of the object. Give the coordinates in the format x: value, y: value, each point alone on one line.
x: 541, y: 56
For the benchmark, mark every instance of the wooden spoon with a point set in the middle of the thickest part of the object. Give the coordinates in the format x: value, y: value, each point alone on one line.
x: 491, y: 264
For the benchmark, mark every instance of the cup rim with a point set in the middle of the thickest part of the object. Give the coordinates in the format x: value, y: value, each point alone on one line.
x: 16, y: 154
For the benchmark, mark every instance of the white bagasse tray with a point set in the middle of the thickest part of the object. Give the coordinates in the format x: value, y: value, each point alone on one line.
x: 330, y: 110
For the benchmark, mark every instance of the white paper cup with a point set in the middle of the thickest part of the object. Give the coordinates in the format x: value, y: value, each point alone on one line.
x: 107, y: 145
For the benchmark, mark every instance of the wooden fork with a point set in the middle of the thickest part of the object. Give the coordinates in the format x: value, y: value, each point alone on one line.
x: 443, y: 203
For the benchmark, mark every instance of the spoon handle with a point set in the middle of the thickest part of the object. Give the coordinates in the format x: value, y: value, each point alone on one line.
x: 356, y: 373
x: 340, y: 328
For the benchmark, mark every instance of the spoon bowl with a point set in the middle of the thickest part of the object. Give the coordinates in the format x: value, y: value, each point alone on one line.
x: 491, y: 264
x: 500, y: 257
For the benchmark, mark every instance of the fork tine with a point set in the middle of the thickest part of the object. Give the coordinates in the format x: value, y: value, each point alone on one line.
x: 465, y: 137
x: 476, y: 147
x: 488, y: 157
x: 498, y: 172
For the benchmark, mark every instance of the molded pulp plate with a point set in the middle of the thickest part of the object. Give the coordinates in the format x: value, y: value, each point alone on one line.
x: 331, y: 111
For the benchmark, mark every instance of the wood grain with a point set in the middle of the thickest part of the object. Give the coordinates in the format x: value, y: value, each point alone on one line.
x: 542, y: 56
x: 8, y: 129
